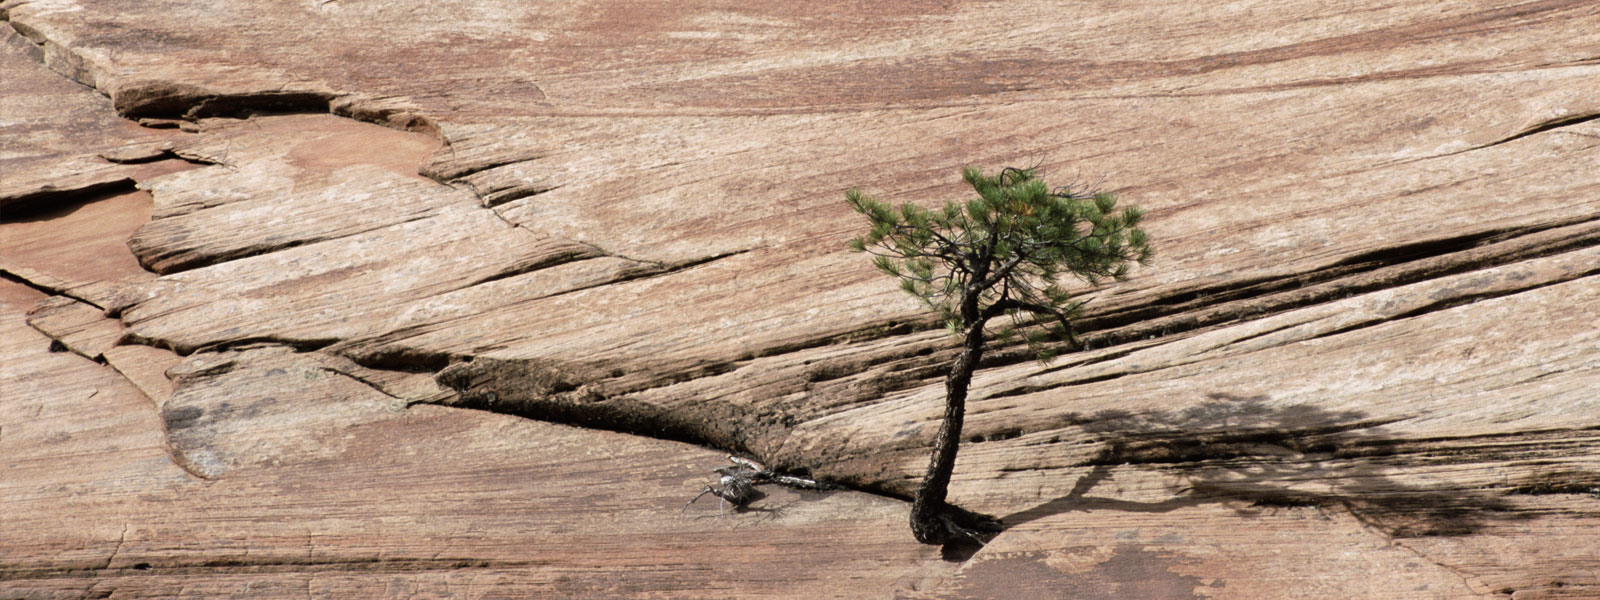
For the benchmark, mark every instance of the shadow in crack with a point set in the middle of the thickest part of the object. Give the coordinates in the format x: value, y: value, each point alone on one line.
x: 1243, y: 448
x: 52, y: 204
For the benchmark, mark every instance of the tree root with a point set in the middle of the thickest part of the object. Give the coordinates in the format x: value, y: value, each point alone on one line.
x: 951, y: 524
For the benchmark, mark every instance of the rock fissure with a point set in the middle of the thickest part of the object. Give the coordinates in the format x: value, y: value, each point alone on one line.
x: 584, y: 409
x: 492, y: 200
x: 1193, y: 312
x: 164, y: 100
x: 161, y: 154
x: 45, y: 289
x: 374, y: 378
x: 375, y: 565
x: 23, y: 204
x: 243, y: 105
x: 396, y: 358
x: 875, y: 332
x: 1549, y: 125
x: 1387, y: 267
x: 1473, y: 583
x: 121, y: 540
x: 298, y: 344
x: 182, y: 349
x: 166, y: 260
x: 446, y: 175
x: 367, y: 382
x: 1454, y: 302
x: 552, y: 393
x: 490, y: 197
x: 1538, y: 128
x: 537, y: 264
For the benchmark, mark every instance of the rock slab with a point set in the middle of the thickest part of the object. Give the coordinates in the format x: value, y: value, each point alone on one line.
x: 365, y: 273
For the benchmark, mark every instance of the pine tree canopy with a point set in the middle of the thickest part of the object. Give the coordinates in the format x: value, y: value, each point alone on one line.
x: 1004, y: 252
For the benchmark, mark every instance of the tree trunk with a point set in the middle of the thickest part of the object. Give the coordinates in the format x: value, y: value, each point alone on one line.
x: 930, y: 518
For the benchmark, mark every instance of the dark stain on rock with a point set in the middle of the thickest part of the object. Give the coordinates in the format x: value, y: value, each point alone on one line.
x: 182, y: 417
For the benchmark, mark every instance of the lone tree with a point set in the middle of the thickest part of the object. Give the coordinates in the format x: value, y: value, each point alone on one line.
x: 998, y: 255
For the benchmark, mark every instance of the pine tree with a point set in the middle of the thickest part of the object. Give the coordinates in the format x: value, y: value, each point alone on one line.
x: 998, y: 255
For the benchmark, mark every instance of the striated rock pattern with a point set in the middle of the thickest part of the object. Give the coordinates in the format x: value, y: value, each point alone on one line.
x: 333, y: 298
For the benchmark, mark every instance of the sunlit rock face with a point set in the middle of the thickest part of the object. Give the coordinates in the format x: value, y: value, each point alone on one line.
x: 370, y: 299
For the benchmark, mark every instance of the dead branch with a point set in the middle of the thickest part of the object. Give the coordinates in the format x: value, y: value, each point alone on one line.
x: 736, y: 483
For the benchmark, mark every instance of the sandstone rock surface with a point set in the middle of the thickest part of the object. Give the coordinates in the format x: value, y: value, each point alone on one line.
x: 374, y: 250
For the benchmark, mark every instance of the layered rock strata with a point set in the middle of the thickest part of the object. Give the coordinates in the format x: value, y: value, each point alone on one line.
x: 1364, y: 363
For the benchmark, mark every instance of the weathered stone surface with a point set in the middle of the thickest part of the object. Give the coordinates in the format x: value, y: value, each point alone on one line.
x: 318, y: 481
x: 76, y: 326
x: 67, y: 210
x: 81, y: 250
x: 306, y: 178
x: 322, y: 292
x: 1180, y: 551
x: 54, y: 135
x: 1363, y: 365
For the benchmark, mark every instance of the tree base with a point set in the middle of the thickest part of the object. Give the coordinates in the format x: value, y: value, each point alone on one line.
x: 953, y: 525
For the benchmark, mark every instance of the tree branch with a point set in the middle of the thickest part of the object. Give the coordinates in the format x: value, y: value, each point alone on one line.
x: 1003, y: 272
x: 1005, y: 304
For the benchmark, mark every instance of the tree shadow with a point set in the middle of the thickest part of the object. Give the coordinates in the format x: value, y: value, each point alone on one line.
x: 1233, y: 448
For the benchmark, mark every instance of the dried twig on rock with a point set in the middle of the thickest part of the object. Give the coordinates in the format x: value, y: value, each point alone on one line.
x: 737, y: 483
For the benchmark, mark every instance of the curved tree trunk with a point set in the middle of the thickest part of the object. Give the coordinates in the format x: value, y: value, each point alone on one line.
x: 930, y: 514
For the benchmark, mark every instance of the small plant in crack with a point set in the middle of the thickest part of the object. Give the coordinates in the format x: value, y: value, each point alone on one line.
x: 737, y: 483
x: 999, y: 255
